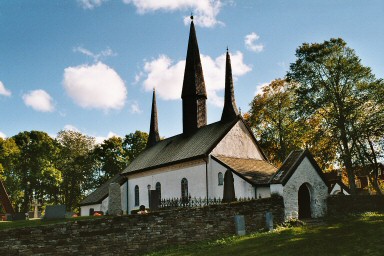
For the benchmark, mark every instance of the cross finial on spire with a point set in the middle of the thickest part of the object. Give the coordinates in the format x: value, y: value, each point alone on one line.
x: 191, y: 16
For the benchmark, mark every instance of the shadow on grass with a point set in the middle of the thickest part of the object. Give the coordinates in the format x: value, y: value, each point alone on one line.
x: 355, y: 235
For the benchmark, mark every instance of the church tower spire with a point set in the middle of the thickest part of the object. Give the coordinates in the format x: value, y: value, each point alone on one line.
x: 194, y: 95
x: 230, y: 111
x: 153, y: 136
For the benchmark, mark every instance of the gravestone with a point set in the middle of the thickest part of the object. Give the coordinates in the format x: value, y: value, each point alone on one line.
x: 36, y: 209
x: 114, y: 199
x: 240, y: 225
x: 269, y: 221
x: 54, y: 212
x: 229, y: 188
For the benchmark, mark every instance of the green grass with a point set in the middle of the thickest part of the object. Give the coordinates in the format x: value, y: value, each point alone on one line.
x: 361, y: 234
x: 38, y: 222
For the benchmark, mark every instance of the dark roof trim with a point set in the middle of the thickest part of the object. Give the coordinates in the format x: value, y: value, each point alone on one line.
x: 234, y: 171
x: 165, y: 164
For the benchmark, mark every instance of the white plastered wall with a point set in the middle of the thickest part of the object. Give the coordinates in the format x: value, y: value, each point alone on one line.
x: 84, y: 210
x: 337, y: 189
x: 305, y: 173
x: 263, y: 192
x: 170, y: 180
x: 243, y: 189
x: 238, y: 143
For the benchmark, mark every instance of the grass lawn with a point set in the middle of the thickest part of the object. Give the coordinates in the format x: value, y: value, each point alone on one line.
x: 37, y: 222
x: 361, y: 234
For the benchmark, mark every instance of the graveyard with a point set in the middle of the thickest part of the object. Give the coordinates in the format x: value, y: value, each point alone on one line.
x: 348, y: 235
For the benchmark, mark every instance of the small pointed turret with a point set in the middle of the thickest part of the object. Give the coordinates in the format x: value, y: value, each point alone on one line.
x: 153, y: 136
x: 230, y: 111
x: 194, y: 94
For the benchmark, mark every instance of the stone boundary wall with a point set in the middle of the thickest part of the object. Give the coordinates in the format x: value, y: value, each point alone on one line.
x: 137, y: 234
x: 342, y: 204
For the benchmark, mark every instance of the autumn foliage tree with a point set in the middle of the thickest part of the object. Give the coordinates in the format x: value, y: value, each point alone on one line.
x: 335, y: 86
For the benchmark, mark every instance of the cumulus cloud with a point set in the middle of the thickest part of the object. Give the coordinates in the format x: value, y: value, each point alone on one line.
x: 70, y: 127
x: 135, y: 108
x: 95, y: 86
x: 90, y: 4
x: 250, y: 44
x: 96, y: 56
x: 259, y: 88
x: 2, y: 135
x: 101, y: 139
x: 3, y: 90
x: 167, y: 76
x: 204, y: 11
x: 39, y: 100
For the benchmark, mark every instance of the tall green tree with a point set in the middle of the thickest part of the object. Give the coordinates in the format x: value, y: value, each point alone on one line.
x: 76, y: 164
x: 273, y: 121
x: 35, y: 170
x: 111, y: 159
x: 9, y: 153
x: 334, y: 85
x: 134, y: 143
x: 279, y: 129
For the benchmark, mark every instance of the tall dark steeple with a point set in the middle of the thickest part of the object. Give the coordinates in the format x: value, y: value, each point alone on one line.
x: 230, y: 111
x: 153, y: 136
x: 194, y: 95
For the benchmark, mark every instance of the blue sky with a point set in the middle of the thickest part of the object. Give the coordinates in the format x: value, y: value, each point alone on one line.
x: 90, y: 65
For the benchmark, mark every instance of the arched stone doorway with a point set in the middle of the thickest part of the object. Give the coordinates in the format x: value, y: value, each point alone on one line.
x: 304, y: 199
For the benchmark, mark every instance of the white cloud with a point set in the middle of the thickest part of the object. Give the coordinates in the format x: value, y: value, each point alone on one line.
x: 70, y: 127
x: 3, y: 90
x: 39, y: 100
x: 249, y: 41
x: 90, y: 4
x: 259, y: 88
x: 135, y: 108
x: 204, y: 11
x: 2, y: 135
x: 95, y: 86
x: 101, y: 139
x: 96, y: 56
x: 167, y: 77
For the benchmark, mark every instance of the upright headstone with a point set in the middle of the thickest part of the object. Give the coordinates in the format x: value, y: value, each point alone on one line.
x: 229, y: 188
x: 269, y: 221
x: 114, y: 199
x: 54, y: 212
x: 240, y: 225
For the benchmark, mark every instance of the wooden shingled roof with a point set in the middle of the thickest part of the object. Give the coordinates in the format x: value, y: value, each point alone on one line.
x: 291, y: 163
x: 97, y: 196
x: 257, y: 172
x: 181, y: 148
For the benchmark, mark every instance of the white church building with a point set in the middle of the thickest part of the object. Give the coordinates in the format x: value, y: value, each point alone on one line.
x: 206, y: 158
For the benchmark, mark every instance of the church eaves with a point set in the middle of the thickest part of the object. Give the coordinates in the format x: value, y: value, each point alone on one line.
x: 153, y: 136
x: 230, y: 111
x: 193, y: 94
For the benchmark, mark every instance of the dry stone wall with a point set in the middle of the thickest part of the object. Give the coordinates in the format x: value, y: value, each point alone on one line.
x: 342, y: 205
x: 137, y: 234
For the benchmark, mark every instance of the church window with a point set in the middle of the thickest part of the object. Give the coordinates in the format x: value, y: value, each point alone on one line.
x: 184, y: 189
x: 220, y: 178
x: 158, y: 189
x: 137, y: 199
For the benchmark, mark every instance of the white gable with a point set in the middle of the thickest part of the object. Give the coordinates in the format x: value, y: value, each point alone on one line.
x: 305, y: 173
x: 238, y: 143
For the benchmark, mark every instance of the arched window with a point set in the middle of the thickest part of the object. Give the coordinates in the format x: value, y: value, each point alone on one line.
x: 137, y: 198
x: 184, y: 189
x: 158, y: 189
x: 220, y: 178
